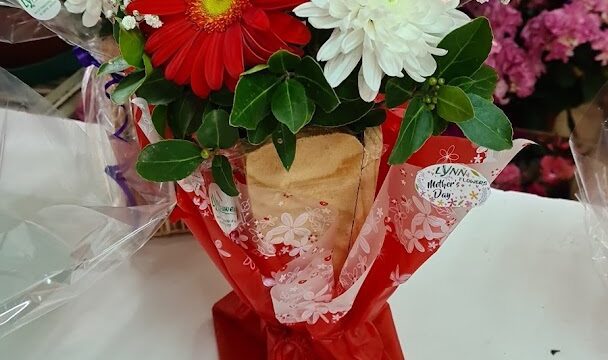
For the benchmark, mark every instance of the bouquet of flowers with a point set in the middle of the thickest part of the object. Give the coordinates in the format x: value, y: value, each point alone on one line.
x: 304, y: 138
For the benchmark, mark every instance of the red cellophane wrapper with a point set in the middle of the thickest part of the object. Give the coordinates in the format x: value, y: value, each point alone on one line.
x: 313, y: 256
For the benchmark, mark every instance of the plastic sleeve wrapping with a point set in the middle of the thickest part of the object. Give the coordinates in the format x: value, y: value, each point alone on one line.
x: 70, y: 27
x: 16, y: 26
x: 72, y: 205
x: 589, y: 144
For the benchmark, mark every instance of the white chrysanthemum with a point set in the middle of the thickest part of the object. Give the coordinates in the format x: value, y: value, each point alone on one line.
x: 386, y: 36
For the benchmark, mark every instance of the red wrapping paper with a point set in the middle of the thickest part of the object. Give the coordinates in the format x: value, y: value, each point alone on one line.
x: 289, y: 307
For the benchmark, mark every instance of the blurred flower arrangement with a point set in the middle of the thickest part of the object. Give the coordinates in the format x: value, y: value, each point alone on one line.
x: 542, y: 170
x: 551, y: 55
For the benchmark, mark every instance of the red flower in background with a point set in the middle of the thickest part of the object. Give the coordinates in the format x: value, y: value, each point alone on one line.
x: 509, y: 179
x: 209, y: 43
x: 555, y: 169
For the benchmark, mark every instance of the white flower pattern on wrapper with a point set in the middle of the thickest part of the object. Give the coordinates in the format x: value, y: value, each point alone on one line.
x: 427, y: 227
x: 218, y: 245
x: 448, y: 155
x: 429, y: 223
x: 397, y: 278
x: 291, y: 232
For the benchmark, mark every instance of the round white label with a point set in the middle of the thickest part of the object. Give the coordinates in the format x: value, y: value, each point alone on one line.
x: 452, y: 185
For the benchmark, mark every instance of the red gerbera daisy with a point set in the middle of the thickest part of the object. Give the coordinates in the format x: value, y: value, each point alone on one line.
x: 208, y: 43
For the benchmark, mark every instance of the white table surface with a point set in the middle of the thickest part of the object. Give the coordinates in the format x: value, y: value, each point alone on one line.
x: 514, y: 281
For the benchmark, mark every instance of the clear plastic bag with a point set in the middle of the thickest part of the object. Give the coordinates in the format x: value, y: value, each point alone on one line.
x: 589, y: 144
x: 16, y: 26
x: 72, y: 205
x: 79, y: 29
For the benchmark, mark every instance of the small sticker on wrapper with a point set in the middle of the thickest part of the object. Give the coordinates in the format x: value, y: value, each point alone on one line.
x: 224, y: 209
x: 452, y: 185
x: 41, y: 9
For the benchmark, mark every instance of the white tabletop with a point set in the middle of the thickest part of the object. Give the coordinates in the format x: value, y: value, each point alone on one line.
x: 514, y: 281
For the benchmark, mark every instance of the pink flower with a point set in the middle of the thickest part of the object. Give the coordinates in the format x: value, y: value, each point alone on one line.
x: 509, y: 179
x: 555, y: 169
x: 536, y: 188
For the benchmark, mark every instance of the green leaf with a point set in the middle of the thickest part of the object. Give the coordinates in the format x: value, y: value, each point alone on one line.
x: 416, y: 128
x: 290, y: 105
x: 285, y: 144
x: 439, y: 125
x: 186, y: 115
x: 453, y: 104
x: 374, y: 118
x: 265, y: 128
x: 131, y: 44
x: 216, y: 132
x: 347, y: 112
x: 223, y: 97
x: 222, y: 175
x: 399, y: 90
x: 168, y: 160
x: 310, y: 74
x: 251, y: 99
x: 349, y: 88
x: 490, y: 127
x: 159, y: 119
x: 116, y: 29
x: 255, y: 69
x: 468, y: 47
x: 112, y: 66
x: 127, y: 87
x: 482, y: 82
x: 148, y: 68
x: 283, y: 61
x: 159, y: 91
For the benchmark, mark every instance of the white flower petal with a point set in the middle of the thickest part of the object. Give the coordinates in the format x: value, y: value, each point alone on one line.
x: 337, y: 69
x: 366, y: 93
x: 309, y: 9
x: 331, y: 48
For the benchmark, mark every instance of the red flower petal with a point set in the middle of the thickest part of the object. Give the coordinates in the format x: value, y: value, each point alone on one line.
x: 257, y: 19
x: 230, y: 82
x: 214, y: 68
x: 251, y: 58
x: 167, y: 31
x: 289, y: 29
x: 233, y: 51
x: 254, y: 45
x: 169, y: 48
x: 164, y: 7
x: 278, y: 4
x: 180, y: 66
x: 197, y: 80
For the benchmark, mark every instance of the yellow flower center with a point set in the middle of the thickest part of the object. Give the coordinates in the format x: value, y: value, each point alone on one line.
x: 215, y: 15
x: 216, y: 7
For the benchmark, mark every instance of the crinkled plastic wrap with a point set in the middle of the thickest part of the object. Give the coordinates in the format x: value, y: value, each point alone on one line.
x: 72, y: 205
x: 313, y: 254
x: 79, y: 25
x: 589, y: 144
x: 16, y: 26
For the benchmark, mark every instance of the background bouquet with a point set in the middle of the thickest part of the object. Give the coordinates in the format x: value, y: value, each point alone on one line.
x: 279, y: 119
